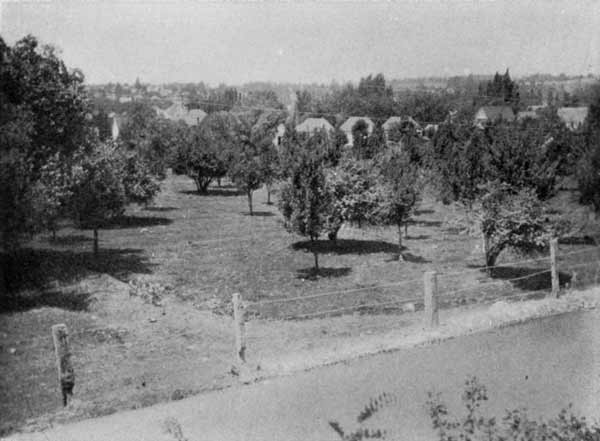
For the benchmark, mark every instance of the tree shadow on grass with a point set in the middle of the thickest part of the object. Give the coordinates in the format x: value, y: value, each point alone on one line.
x: 312, y: 274
x: 160, y: 209
x: 72, y: 239
x: 215, y: 192
x: 578, y: 240
x: 137, y: 222
x: 71, y: 301
x: 426, y: 223
x: 258, y: 213
x: 424, y: 211
x: 346, y: 246
x: 37, y: 268
x: 419, y: 237
x: 412, y: 258
x: 532, y: 283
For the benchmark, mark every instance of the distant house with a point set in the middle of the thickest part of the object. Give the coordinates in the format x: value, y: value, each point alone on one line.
x: 179, y: 112
x: 311, y: 125
x: 349, y: 124
x: 401, y: 120
x: 573, y: 117
x: 488, y: 114
x: 279, y: 135
x: 430, y: 130
x: 116, y: 122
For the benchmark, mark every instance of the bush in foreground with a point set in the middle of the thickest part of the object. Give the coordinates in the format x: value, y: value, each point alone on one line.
x: 516, y: 425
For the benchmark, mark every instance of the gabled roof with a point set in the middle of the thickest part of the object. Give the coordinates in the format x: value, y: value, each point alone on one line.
x: 493, y: 113
x: 351, y: 122
x: 573, y: 117
x: 194, y: 116
x: 178, y: 112
x: 311, y: 124
x: 399, y: 120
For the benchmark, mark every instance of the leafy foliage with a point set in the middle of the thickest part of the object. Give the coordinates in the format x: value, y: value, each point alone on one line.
x: 400, y: 191
x: 588, y: 176
x: 103, y: 182
x: 375, y: 405
x: 588, y: 164
x: 515, y: 425
x: 500, y: 90
x: 99, y: 194
x: 205, y: 152
x: 43, y: 122
x: 304, y: 202
x: 140, y: 185
x: 246, y: 171
x: 354, y: 190
x: 512, y: 218
x: 463, y: 158
x: 360, y: 136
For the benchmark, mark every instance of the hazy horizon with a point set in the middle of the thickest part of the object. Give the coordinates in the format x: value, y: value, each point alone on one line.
x: 308, y: 42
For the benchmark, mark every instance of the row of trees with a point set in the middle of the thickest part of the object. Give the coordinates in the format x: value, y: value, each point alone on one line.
x: 503, y: 175
x: 374, y: 97
x: 322, y: 191
x: 53, y: 165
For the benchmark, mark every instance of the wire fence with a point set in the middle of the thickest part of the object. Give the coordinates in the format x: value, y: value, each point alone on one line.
x: 502, y: 281
x: 172, y: 362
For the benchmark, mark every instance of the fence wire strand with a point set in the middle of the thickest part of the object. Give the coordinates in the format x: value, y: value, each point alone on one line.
x: 350, y: 308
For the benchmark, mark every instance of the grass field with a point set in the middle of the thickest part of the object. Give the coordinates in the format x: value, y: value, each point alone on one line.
x: 133, y: 351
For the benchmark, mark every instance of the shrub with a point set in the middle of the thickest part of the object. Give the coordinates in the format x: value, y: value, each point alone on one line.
x: 515, y: 425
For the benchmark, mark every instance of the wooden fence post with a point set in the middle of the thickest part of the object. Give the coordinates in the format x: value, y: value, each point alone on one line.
x: 240, y: 337
x: 554, y: 267
x: 66, y: 374
x: 432, y: 318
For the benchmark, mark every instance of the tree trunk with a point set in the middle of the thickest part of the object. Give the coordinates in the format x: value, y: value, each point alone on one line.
x: 268, y: 195
x: 332, y: 235
x: 95, y: 242
x: 202, y: 184
x: 250, y: 202
x: 485, y: 246
x: 400, y: 242
x: 491, y: 256
x: 406, y: 229
x: 219, y: 182
x: 315, y: 254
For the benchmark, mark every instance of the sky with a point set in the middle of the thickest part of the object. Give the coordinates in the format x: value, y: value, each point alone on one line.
x: 234, y: 42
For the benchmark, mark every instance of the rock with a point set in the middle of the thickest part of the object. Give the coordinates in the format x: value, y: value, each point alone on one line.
x: 12, y: 351
x: 152, y: 320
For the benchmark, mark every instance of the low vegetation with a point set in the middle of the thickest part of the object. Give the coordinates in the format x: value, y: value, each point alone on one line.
x: 474, y: 425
